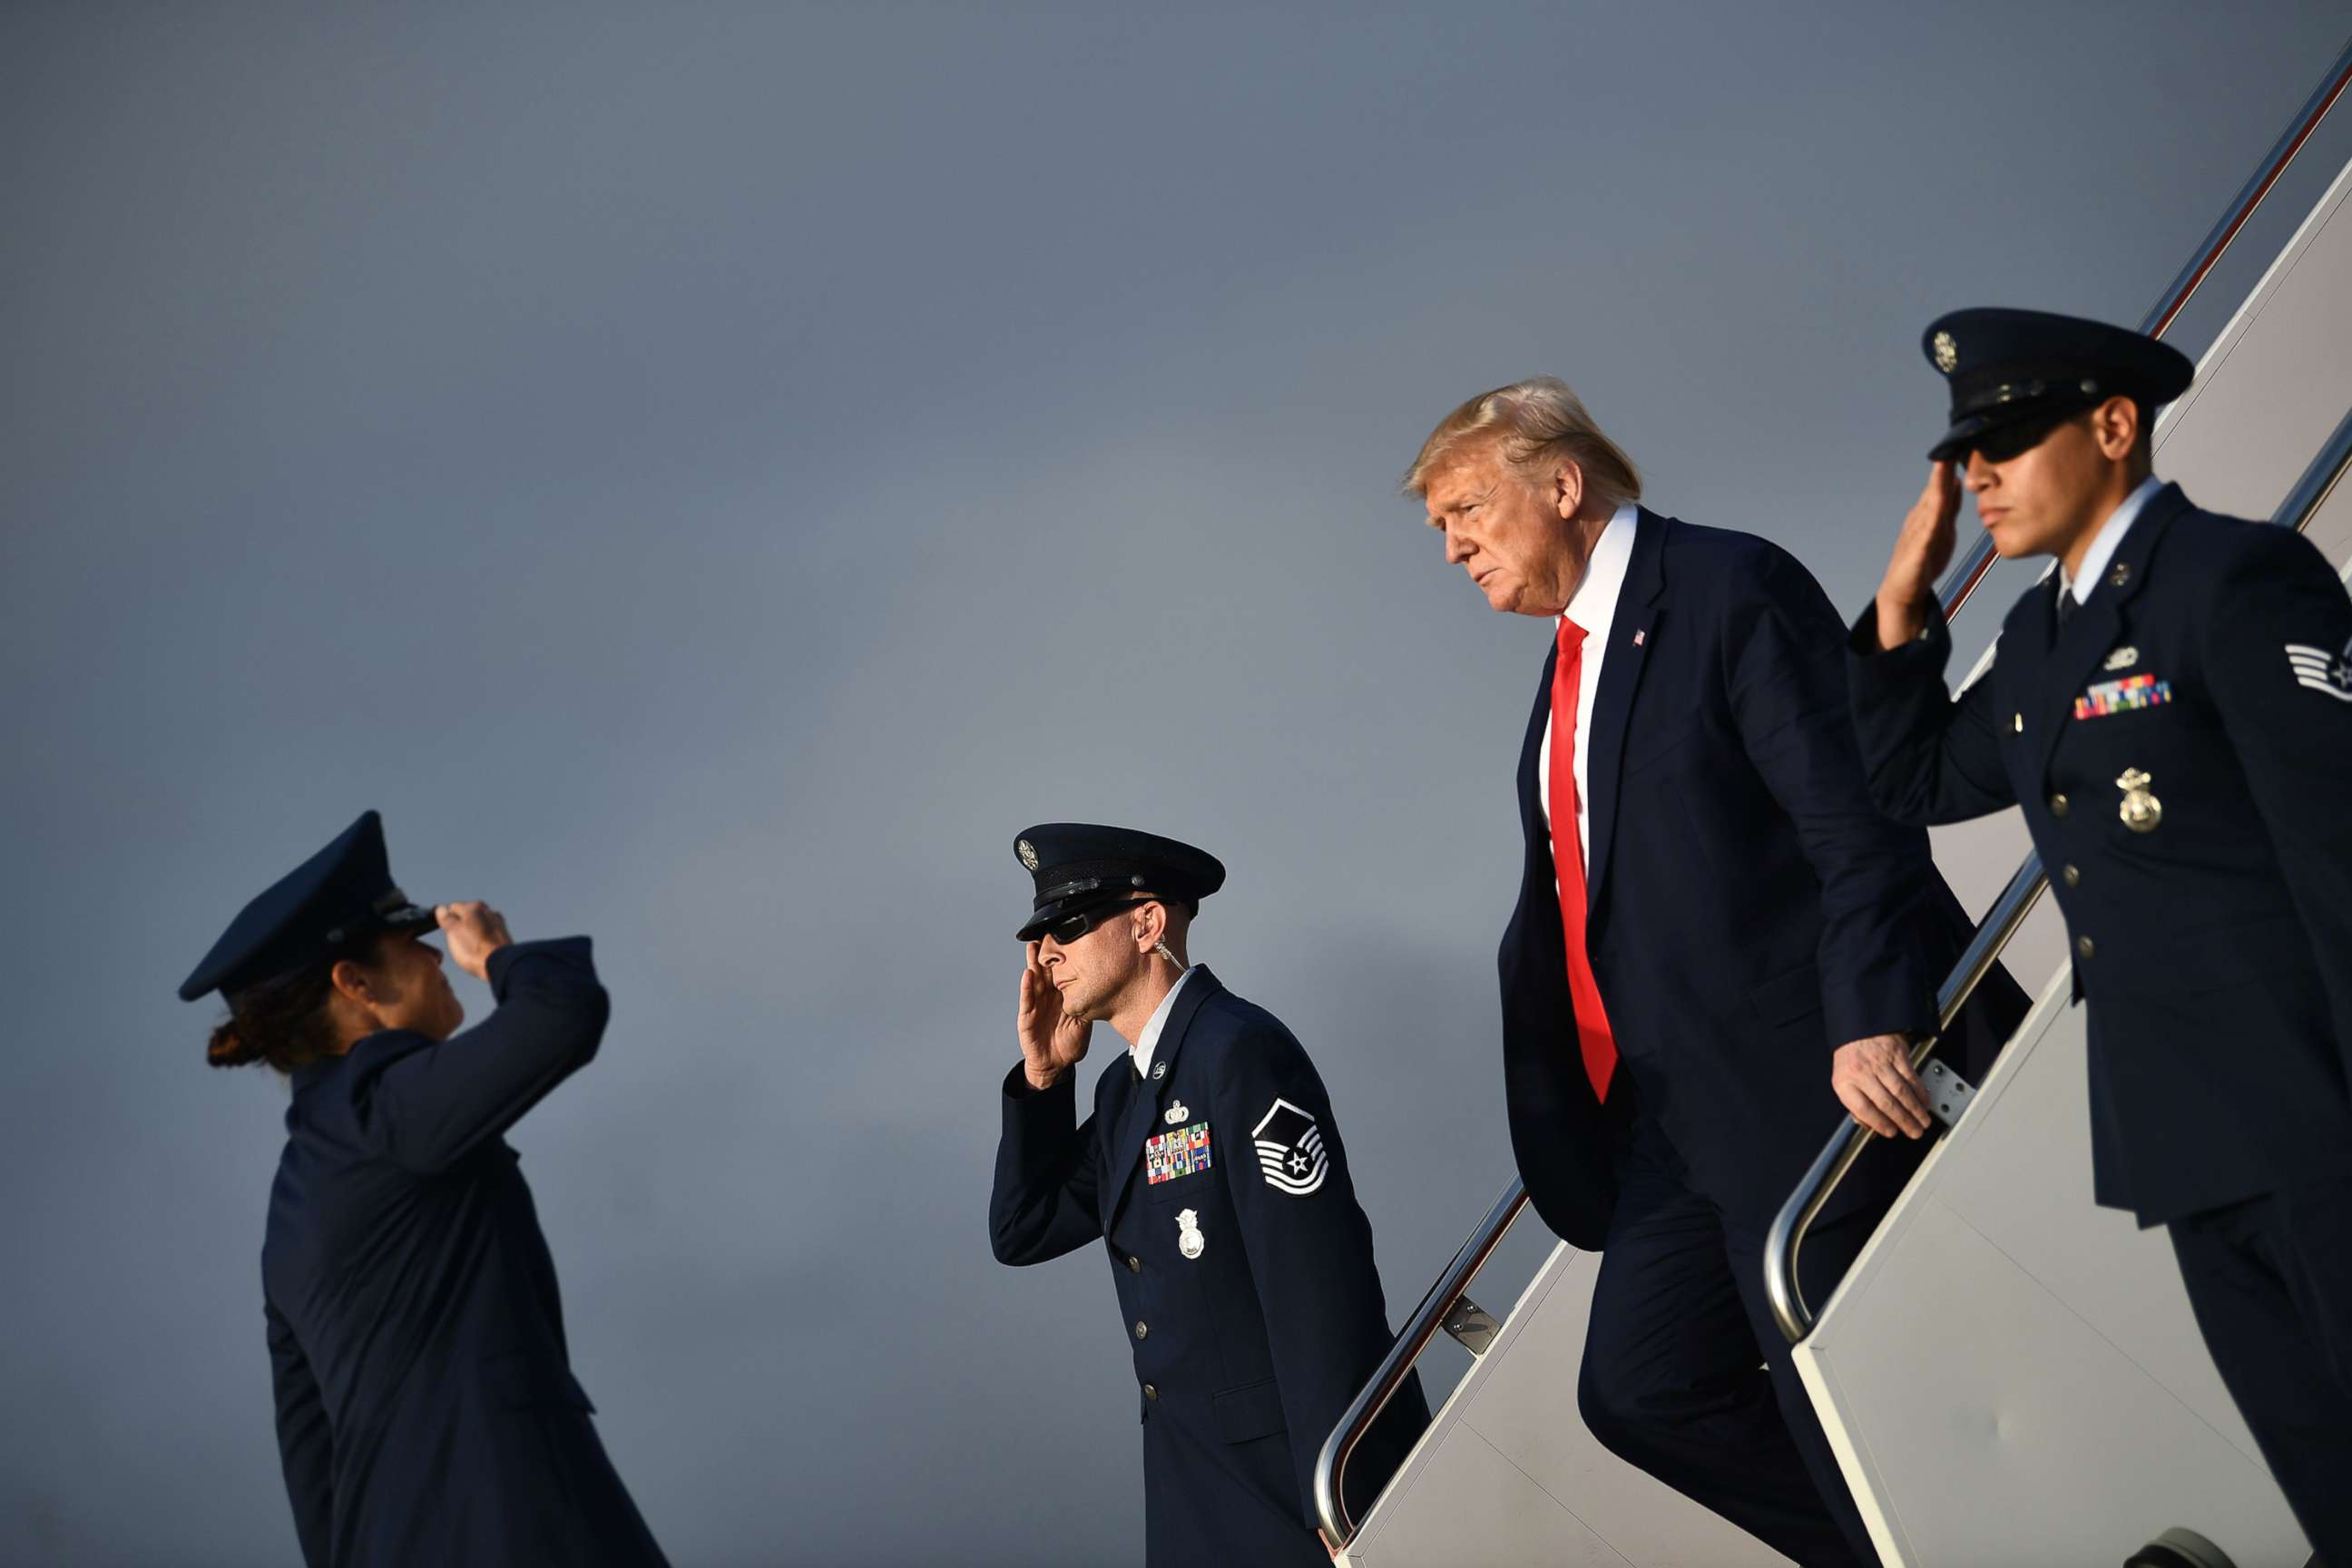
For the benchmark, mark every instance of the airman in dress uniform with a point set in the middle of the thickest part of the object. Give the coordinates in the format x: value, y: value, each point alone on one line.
x: 1213, y: 1176
x: 426, y: 1410
x: 2172, y: 708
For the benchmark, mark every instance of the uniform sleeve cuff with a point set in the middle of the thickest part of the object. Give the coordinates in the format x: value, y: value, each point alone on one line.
x: 1875, y: 672
x: 572, y: 951
x: 1018, y: 1087
x: 1862, y: 637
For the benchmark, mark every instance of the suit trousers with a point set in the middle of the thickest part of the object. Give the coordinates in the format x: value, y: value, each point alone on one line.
x: 1687, y: 1377
x: 2271, y: 1282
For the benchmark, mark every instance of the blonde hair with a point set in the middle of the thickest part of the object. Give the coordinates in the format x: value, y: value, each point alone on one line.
x: 1538, y: 422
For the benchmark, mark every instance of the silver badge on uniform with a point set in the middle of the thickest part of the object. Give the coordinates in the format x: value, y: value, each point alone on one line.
x: 1159, y: 1071
x: 2140, y: 810
x: 1947, y: 353
x: 1290, y: 1150
x: 1174, y: 1114
x: 2123, y: 658
x: 1027, y: 851
x: 1189, y: 1239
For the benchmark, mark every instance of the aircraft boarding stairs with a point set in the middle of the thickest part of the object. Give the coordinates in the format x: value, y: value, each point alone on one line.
x: 2010, y: 1374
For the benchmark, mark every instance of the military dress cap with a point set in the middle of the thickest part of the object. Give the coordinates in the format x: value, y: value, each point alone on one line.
x: 1082, y: 865
x: 2021, y: 371
x: 327, y: 905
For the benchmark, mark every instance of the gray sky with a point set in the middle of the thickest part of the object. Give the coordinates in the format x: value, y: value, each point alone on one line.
x: 711, y: 476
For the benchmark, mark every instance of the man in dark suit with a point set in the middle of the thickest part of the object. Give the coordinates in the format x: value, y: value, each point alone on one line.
x: 1718, y: 942
x: 1215, y: 1178
x: 2172, y: 708
x: 426, y: 1410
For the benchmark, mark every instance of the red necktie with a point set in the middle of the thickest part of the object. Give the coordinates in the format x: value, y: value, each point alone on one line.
x: 1594, y: 1038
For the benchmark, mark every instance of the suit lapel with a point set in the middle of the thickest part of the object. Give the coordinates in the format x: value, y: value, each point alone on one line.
x: 1532, y: 785
x: 2020, y: 651
x: 1111, y: 1104
x: 1141, y: 1117
x: 1633, y: 629
x: 2094, y: 629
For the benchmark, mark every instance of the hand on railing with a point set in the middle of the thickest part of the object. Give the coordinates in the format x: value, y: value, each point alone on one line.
x: 1875, y: 1080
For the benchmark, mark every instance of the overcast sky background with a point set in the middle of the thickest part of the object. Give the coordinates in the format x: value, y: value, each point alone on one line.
x: 711, y: 476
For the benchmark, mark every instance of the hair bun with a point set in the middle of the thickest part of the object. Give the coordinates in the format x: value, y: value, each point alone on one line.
x: 227, y: 1048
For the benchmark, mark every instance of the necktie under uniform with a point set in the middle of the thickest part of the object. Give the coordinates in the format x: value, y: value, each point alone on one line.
x: 1594, y: 1040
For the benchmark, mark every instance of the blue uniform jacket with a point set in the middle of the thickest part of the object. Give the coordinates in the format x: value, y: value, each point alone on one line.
x: 1750, y: 910
x: 2215, y: 949
x: 427, y: 1411
x: 1248, y: 1351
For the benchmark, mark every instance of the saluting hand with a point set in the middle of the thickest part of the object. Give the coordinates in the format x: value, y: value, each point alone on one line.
x: 1051, y: 1042
x: 1922, y: 550
x: 472, y: 932
x: 1876, y: 1082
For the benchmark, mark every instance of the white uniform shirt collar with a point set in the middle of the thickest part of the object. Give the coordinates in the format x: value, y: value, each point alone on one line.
x: 2110, y: 537
x: 1148, y: 1041
x: 1594, y: 605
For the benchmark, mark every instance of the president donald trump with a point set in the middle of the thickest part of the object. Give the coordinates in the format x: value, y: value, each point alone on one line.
x: 1719, y: 947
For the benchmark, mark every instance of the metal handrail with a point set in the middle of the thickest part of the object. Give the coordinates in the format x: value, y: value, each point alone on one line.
x: 1786, y: 1236
x: 2307, y: 120
x: 1330, y: 1466
x: 1970, y: 570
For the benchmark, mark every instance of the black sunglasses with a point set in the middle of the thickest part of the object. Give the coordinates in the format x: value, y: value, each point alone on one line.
x: 1069, y: 927
x: 2014, y: 440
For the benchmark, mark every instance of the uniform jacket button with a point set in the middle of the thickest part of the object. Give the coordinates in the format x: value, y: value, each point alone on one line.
x: 2074, y: 879
x: 2057, y: 806
x: 1150, y: 1392
x: 2083, y: 945
x: 1142, y: 1329
x: 1134, y: 1264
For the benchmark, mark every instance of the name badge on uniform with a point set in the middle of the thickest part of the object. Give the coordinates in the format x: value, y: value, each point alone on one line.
x: 2125, y: 696
x: 1177, y: 1154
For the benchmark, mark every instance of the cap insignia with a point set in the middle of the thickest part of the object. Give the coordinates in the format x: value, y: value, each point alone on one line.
x: 1028, y: 853
x: 1947, y: 353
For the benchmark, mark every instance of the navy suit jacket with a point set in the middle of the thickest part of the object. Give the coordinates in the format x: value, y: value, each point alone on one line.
x: 427, y: 1411
x: 1750, y: 910
x: 2214, y: 949
x: 1251, y: 1349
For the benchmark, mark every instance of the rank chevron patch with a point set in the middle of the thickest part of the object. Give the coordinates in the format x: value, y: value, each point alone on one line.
x: 2322, y: 671
x: 1290, y: 1150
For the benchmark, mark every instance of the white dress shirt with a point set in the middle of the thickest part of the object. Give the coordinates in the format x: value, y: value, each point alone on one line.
x: 2102, y: 547
x: 1148, y: 1041
x: 1594, y: 607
